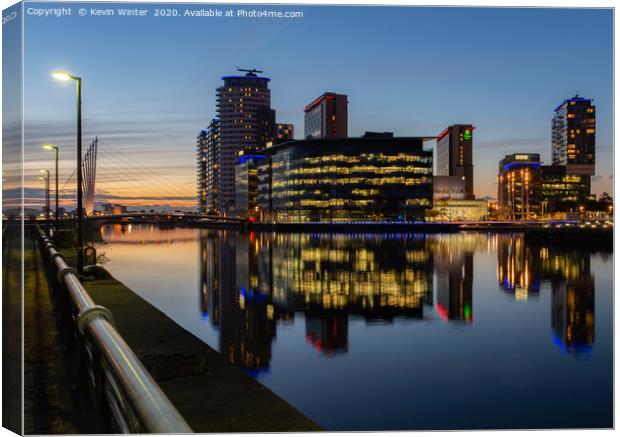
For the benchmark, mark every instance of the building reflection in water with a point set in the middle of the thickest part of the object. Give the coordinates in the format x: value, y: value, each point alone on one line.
x: 250, y: 283
x: 522, y: 268
x: 572, y: 299
x: 453, y: 260
x: 518, y: 267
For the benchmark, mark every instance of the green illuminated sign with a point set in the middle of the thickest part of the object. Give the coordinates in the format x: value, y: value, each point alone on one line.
x: 467, y: 134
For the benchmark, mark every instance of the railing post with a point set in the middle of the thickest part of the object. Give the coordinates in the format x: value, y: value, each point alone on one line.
x: 96, y: 345
x: 101, y: 424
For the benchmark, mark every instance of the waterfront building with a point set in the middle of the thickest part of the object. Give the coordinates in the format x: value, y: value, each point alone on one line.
x: 201, y: 171
x: 573, y: 130
x: 326, y: 117
x: 451, y: 201
x: 207, y: 168
x: 455, y: 156
x: 562, y: 191
x: 449, y: 187
x: 458, y: 210
x: 263, y: 176
x: 283, y: 132
x: 573, y: 143
x: 519, y: 187
x: 349, y: 179
x: 246, y: 182
x: 245, y: 120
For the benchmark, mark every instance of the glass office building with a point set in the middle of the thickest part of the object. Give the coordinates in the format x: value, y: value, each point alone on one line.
x: 562, y: 191
x: 246, y: 183
x: 349, y: 179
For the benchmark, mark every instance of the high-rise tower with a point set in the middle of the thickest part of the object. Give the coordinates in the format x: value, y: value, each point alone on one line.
x: 573, y: 131
x: 246, y: 120
x: 207, y: 158
x: 454, y: 155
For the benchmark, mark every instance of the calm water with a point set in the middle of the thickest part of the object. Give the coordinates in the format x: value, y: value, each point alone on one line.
x: 369, y: 332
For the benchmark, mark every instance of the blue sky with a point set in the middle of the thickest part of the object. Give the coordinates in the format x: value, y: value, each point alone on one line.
x: 149, y: 82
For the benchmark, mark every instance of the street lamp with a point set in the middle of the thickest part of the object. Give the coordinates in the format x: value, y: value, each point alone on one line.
x: 55, y: 149
x: 46, y: 178
x: 63, y: 75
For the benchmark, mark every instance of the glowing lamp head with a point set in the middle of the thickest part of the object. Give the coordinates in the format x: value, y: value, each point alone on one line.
x: 61, y: 75
x: 49, y: 147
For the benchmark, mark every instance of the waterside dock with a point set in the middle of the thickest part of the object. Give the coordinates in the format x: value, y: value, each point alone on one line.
x: 212, y: 394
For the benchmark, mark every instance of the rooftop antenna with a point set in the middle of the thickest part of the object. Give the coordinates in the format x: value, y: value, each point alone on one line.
x: 577, y: 94
x: 250, y: 72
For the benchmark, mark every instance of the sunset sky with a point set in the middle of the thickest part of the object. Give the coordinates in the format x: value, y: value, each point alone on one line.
x: 149, y: 83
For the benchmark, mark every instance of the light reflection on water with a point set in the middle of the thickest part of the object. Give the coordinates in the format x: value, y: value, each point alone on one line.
x: 391, y: 331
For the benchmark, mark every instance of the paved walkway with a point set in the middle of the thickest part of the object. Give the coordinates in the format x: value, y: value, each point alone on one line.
x: 51, y: 405
x: 11, y: 329
x: 212, y: 394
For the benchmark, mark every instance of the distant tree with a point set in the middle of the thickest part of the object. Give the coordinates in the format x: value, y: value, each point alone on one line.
x: 606, y: 200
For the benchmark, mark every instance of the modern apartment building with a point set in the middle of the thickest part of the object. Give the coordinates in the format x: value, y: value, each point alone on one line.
x: 573, y: 140
x: 246, y: 120
x: 573, y: 132
x: 201, y: 171
x: 207, y: 167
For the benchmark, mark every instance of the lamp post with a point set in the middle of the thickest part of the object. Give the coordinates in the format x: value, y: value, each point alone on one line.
x: 46, y: 178
x: 56, y: 216
x: 62, y: 75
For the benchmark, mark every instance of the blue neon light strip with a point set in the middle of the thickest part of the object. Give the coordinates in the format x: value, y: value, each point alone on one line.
x: 244, y: 158
x: 508, y: 166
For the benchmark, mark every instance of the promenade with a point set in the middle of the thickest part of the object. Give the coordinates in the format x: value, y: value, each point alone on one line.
x: 212, y: 394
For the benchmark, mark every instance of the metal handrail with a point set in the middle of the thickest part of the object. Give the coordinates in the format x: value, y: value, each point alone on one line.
x: 150, y: 407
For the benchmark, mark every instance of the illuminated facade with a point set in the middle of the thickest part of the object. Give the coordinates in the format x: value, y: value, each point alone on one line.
x: 519, y: 187
x: 573, y: 132
x: 207, y: 157
x: 201, y: 171
x: 246, y: 120
x: 351, y: 179
x: 456, y: 210
x: 263, y: 176
x: 449, y: 187
x: 326, y: 117
x: 246, y: 182
x: 561, y: 191
x: 455, y: 156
